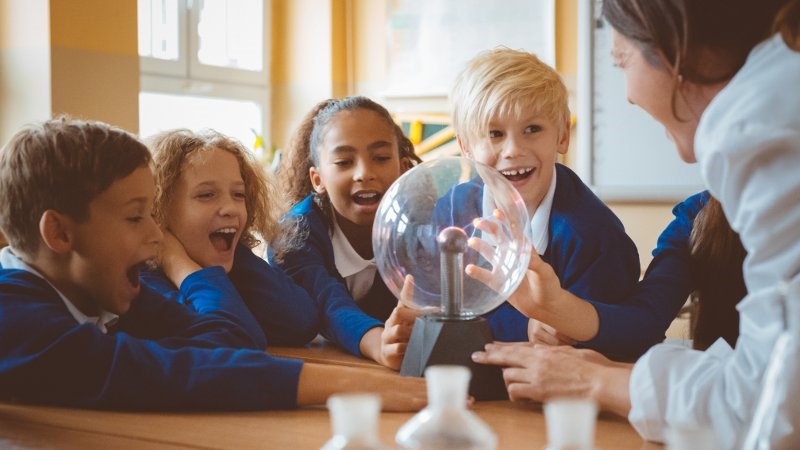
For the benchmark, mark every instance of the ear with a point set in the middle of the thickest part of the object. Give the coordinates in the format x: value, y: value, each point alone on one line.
x: 56, y: 231
x: 563, y: 140
x: 464, y: 150
x: 316, y: 180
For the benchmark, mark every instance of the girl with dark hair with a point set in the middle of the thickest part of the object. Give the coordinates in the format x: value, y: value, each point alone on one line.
x: 343, y: 157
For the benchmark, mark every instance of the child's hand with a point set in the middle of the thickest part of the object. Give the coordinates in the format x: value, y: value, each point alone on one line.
x: 540, y: 288
x: 175, y: 262
x: 541, y: 333
x: 395, y: 335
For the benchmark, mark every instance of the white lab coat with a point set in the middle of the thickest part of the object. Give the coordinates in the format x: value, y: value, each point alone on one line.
x: 748, y: 147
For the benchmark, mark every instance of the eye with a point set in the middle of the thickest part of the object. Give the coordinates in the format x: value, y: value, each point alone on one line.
x: 533, y: 129
x: 205, y: 195
x: 239, y: 195
x: 383, y: 158
x: 135, y: 219
x: 343, y: 162
x: 495, y: 134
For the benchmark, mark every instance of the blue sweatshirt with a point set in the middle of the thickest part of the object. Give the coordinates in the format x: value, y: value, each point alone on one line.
x: 629, y: 328
x: 278, y: 308
x: 160, y: 356
x: 313, y: 267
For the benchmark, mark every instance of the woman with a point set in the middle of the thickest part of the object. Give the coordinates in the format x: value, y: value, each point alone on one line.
x: 732, y: 107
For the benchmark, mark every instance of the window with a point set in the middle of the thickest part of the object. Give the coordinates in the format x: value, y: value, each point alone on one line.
x: 204, y: 64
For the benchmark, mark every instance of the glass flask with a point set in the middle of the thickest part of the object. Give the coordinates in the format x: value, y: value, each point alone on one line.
x: 354, y: 418
x: 446, y: 423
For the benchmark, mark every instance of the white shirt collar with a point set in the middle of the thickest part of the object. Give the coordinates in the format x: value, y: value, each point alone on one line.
x: 9, y: 260
x: 358, y: 272
x: 540, y: 222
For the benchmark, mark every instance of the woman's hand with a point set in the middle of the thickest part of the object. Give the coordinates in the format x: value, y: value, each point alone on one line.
x: 538, y: 373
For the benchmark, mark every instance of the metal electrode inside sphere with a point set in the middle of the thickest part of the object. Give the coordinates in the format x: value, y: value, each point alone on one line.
x: 437, y: 223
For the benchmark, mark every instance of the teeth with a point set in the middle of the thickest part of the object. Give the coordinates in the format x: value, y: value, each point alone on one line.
x: 516, y: 171
x: 226, y: 230
x: 367, y: 195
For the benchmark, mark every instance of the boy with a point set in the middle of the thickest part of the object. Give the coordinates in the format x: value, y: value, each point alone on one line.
x: 76, y: 326
x: 510, y: 112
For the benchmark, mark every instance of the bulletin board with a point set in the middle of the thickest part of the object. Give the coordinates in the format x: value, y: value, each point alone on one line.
x: 430, y: 41
x: 623, y: 153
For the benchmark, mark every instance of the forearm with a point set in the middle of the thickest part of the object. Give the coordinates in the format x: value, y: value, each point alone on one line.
x: 370, y: 345
x: 319, y: 381
x: 569, y: 315
x: 611, y: 388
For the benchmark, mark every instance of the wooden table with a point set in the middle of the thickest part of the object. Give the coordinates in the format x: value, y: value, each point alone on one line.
x: 518, y: 426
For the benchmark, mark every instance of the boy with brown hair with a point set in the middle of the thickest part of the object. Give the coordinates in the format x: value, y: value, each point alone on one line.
x: 77, y: 327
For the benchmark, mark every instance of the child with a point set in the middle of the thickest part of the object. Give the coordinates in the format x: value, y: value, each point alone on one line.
x: 76, y: 326
x: 213, y: 196
x: 341, y: 160
x: 510, y: 112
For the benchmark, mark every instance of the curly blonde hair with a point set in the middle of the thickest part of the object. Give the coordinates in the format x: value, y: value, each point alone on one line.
x: 171, y: 149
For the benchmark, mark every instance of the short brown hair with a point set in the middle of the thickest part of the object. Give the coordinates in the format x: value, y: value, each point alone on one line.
x: 61, y: 164
x: 171, y: 149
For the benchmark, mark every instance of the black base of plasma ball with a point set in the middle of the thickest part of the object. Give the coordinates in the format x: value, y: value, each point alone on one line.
x: 436, y: 340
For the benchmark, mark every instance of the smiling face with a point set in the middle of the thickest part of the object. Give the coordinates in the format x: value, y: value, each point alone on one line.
x: 358, y: 161
x: 207, y: 212
x: 113, y: 245
x: 650, y: 87
x: 523, y: 149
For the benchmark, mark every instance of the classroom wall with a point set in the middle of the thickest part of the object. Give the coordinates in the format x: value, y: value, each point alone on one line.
x: 68, y: 56
x: 24, y: 62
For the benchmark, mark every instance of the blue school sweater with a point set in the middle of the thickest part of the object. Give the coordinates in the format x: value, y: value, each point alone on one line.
x: 313, y: 267
x: 275, y: 304
x: 160, y: 356
x: 628, y: 329
x: 588, y: 249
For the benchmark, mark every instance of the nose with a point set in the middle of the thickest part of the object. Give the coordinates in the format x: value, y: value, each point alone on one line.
x: 154, y: 233
x: 229, y: 206
x: 512, y: 147
x: 363, y: 172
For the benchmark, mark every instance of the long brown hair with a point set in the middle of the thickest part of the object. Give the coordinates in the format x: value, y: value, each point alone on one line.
x: 700, y: 41
x: 716, y: 262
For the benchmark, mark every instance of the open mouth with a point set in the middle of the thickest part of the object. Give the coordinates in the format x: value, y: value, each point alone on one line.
x: 367, y: 197
x: 517, y: 174
x: 134, y: 271
x: 222, y: 239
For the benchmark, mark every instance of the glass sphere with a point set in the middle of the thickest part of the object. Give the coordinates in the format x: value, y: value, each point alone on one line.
x: 426, y: 227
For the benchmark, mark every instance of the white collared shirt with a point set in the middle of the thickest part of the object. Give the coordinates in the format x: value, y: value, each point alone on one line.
x: 9, y: 260
x: 540, y: 222
x: 748, y: 147
x: 358, y: 273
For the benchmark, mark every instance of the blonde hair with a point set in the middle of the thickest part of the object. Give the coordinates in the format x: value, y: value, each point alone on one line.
x: 506, y: 83
x: 171, y: 149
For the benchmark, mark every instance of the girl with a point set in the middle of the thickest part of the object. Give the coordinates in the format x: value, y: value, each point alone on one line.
x: 215, y: 199
x: 212, y: 198
x: 341, y: 160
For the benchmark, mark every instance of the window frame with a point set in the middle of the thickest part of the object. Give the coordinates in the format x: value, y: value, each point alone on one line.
x: 188, y: 76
